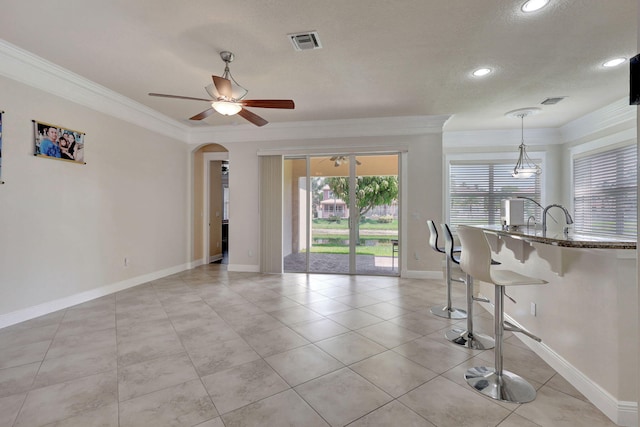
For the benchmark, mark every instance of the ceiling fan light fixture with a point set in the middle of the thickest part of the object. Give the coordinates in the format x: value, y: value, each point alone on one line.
x: 533, y: 5
x: 614, y: 62
x: 237, y: 92
x: 226, y: 98
x: 226, y: 108
x: 481, y: 72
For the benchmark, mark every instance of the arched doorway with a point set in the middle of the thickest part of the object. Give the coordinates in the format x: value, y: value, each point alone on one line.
x: 210, y: 215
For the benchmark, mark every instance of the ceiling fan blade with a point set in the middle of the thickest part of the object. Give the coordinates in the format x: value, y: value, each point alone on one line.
x: 223, y: 86
x: 253, y: 118
x: 206, y: 113
x: 163, y: 95
x: 269, y: 103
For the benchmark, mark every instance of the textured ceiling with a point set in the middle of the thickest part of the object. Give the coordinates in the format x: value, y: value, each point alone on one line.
x: 379, y: 58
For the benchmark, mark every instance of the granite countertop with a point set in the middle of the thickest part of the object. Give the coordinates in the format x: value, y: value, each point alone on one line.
x: 559, y: 239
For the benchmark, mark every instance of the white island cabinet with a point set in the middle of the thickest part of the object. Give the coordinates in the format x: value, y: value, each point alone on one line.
x: 587, y: 315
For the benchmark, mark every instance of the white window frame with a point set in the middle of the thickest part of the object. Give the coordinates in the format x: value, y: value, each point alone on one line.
x: 537, y: 156
x: 619, y: 140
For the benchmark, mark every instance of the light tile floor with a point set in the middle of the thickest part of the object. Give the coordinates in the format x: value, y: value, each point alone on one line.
x: 211, y: 348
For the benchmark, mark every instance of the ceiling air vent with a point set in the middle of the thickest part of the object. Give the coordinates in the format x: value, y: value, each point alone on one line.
x: 305, y: 41
x: 552, y: 101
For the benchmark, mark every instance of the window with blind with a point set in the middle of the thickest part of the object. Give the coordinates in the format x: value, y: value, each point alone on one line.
x: 605, y: 193
x: 477, y: 189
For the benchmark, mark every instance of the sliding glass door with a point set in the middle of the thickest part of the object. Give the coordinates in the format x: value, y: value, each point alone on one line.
x: 341, y: 214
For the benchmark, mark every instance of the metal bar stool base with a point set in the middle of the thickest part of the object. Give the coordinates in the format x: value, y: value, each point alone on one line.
x: 473, y: 341
x: 507, y: 387
x: 448, y: 312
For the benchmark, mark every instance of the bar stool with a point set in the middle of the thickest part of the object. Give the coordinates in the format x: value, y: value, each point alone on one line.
x: 394, y: 251
x: 465, y: 337
x: 447, y: 311
x: 476, y: 260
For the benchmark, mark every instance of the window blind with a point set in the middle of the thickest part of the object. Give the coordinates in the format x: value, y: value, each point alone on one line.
x: 605, y: 193
x: 477, y: 189
x: 271, y: 205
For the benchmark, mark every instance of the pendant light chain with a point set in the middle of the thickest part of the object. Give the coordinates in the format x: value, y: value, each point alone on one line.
x: 522, y: 129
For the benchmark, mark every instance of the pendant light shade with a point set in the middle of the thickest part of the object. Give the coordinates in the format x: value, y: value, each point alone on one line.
x: 525, y: 167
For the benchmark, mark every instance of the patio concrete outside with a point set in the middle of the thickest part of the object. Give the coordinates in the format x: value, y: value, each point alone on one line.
x: 339, y: 263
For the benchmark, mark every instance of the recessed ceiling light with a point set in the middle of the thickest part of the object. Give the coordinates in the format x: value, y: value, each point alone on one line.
x: 533, y: 5
x: 614, y: 62
x: 480, y: 72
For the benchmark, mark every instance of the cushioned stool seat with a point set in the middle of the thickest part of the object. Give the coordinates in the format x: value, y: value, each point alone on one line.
x: 475, y: 260
x: 465, y: 337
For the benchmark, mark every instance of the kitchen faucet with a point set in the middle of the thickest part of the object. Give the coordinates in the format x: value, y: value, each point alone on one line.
x: 567, y: 216
x: 539, y: 205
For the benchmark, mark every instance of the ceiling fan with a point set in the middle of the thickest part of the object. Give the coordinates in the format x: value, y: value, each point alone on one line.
x: 227, y: 97
x: 337, y: 160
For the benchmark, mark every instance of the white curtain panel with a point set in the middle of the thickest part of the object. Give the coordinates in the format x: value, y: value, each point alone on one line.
x: 271, y: 214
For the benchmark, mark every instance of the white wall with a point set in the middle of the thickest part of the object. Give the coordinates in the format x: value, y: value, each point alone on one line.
x: 244, y: 212
x: 65, y: 228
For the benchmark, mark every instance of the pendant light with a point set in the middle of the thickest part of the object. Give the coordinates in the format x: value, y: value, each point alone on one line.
x: 525, y: 167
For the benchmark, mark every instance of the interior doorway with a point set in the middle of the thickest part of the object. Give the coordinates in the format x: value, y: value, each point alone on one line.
x: 215, y: 217
x: 225, y: 212
x: 341, y: 214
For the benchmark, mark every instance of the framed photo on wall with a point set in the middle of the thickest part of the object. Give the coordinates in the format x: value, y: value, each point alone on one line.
x: 58, y: 143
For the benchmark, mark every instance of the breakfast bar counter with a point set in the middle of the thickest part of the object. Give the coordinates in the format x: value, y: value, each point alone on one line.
x: 570, y: 240
x: 586, y: 315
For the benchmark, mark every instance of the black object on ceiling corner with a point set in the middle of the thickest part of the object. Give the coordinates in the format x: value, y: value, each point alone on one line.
x: 634, y: 80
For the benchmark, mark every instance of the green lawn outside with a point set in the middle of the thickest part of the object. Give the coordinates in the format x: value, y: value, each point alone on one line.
x: 384, y: 238
x: 335, y: 244
x: 380, y: 250
x: 367, y: 224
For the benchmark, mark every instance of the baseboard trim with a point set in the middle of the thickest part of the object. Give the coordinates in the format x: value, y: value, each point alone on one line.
x: 66, y: 302
x: 215, y: 258
x: 623, y: 413
x: 620, y: 412
x: 196, y: 263
x: 418, y: 274
x: 247, y: 268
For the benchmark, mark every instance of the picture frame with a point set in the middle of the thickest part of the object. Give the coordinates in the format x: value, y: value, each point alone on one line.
x: 58, y: 143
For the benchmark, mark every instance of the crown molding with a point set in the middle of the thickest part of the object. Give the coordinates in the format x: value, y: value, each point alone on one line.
x: 370, y: 127
x: 614, y: 114
x: 334, y: 150
x: 25, y: 67
x: 501, y: 138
